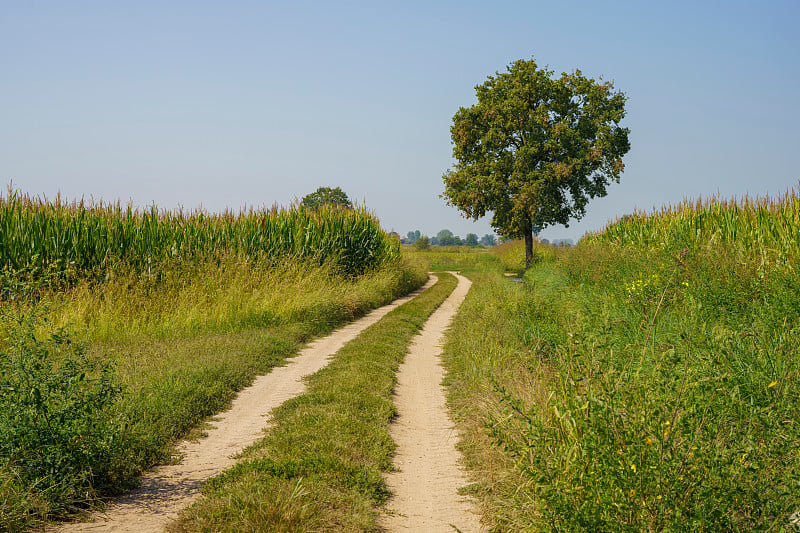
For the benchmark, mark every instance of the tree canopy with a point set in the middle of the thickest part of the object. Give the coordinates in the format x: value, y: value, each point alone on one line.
x: 535, y: 149
x: 326, y: 196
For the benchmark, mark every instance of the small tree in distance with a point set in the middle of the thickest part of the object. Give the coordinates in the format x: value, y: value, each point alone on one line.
x: 422, y: 243
x: 446, y: 238
x: 488, y: 240
x: 413, y: 236
x: 471, y: 240
x: 326, y: 196
x: 535, y: 149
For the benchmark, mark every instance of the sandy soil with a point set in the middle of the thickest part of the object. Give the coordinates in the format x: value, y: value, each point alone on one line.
x: 428, y: 477
x: 170, y: 488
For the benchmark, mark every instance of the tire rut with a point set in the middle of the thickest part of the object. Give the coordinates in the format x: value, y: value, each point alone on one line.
x: 426, y: 483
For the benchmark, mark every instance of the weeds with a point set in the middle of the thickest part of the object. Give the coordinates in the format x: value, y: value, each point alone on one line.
x: 633, y: 390
x: 161, y: 354
x: 57, y: 436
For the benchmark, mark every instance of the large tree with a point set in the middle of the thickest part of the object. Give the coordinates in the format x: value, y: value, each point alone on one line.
x: 535, y: 149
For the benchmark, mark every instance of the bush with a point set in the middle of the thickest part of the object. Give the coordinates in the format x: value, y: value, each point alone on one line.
x: 56, y: 430
x: 423, y: 243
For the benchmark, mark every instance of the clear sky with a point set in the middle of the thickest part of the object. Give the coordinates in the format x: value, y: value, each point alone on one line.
x: 227, y: 104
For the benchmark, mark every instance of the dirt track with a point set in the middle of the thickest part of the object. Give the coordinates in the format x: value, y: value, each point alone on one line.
x: 426, y: 483
x: 170, y: 488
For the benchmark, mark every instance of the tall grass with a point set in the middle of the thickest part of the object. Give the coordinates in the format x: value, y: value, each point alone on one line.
x: 138, y: 324
x: 644, y: 380
x: 512, y: 254
x: 446, y: 258
x: 79, y: 238
x: 224, y: 296
x: 161, y: 354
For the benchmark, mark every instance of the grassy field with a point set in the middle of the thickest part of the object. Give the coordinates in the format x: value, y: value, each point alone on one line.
x: 636, y: 385
x: 103, y: 369
x: 444, y: 258
x: 644, y: 380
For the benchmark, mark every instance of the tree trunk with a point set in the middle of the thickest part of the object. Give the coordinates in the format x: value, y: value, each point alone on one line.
x: 527, y: 229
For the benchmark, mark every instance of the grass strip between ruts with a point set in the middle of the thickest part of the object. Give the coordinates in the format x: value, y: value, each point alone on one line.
x: 320, y: 466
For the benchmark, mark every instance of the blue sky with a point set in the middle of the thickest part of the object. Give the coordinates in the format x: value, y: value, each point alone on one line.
x: 227, y: 104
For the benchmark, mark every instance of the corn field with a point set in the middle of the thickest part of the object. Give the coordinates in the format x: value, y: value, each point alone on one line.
x: 769, y: 227
x: 38, y: 236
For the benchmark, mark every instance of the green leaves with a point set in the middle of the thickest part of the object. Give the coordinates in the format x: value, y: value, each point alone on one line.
x: 326, y: 196
x: 535, y: 149
x: 41, y: 239
x: 767, y: 225
x: 56, y: 432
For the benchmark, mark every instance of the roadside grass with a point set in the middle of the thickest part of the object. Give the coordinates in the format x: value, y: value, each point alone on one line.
x: 459, y: 258
x: 320, y: 466
x: 485, y: 352
x: 632, y: 390
x: 155, y: 357
x: 225, y: 295
x: 512, y: 255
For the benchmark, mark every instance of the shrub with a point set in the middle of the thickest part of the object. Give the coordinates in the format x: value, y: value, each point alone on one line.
x: 56, y: 430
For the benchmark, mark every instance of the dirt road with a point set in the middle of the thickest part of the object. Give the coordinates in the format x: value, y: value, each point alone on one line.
x: 170, y: 488
x: 426, y: 483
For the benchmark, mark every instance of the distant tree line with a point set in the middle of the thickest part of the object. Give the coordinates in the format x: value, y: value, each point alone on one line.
x: 558, y: 242
x: 336, y: 196
x: 446, y: 238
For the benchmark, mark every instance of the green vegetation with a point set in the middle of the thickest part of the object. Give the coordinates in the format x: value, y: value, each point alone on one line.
x: 446, y: 258
x: 645, y: 379
x: 423, y: 243
x: 57, y: 435
x: 38, y: 238
x: 512, y: 256
x: 105, y: 365
x: 535, y: 149
x: 646, y: 386
x: 326, y: 196
x: 158, y: 362
x: 770, y: 226
x: 319, y: 468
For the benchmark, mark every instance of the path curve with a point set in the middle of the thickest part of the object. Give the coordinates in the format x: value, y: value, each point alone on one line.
x: 168, y: 489
x: 426, y: 482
